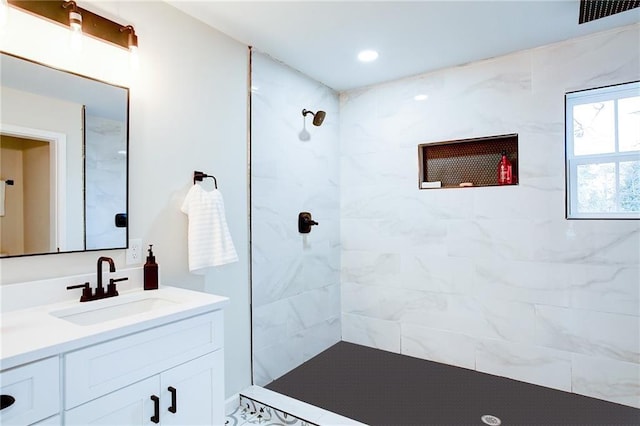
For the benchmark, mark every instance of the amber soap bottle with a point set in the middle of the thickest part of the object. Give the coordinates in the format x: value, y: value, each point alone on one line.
x: 150, y: 271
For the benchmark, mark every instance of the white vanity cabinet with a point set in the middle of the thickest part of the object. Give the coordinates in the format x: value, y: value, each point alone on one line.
x: 31, y: 392
x: 169, y: 375
x: 194, y: 392
x: 189, y: 394
x: 129, y: 406
x: 142, y: 358
x: 51, y: 421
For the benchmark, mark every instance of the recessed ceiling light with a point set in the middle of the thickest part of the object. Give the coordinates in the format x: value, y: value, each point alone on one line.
x: 421, y: 97
x: 367, y: 55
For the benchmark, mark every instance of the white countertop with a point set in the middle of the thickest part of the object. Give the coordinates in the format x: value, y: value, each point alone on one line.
x: 33, y: 333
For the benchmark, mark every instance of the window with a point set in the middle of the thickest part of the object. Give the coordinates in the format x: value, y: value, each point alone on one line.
x: 603, y: 152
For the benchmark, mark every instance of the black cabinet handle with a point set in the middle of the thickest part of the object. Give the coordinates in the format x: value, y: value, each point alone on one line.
x: 6, y: 401
x: 156, y: 409
x: 174, y: 403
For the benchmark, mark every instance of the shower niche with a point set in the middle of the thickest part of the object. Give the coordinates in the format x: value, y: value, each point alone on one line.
x: 464, y: 163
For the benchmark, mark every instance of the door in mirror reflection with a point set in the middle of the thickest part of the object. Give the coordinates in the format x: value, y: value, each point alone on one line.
x: 27, y: 223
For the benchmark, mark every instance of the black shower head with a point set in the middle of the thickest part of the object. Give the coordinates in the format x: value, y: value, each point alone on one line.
x: 318, y: 117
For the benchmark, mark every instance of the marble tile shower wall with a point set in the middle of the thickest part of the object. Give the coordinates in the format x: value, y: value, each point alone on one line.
x: 493, y: 279
x: 105, y: 174
x: 295, y: 278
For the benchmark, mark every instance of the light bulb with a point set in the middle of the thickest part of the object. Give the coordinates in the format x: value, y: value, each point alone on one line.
x: 4, y: 12
x: 132, y: 42
x: 75, y: 38
x: 134, y: 59
x: 75, y: 21
x: 75, y: 25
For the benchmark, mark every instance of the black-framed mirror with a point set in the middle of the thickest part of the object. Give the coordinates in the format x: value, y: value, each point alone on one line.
x: 64, y: 140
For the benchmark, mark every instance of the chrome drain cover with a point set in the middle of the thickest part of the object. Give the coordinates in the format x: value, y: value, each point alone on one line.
x: 488, y: 419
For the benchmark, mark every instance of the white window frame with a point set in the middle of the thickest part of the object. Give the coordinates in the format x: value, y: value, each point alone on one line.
x: 609, y: 93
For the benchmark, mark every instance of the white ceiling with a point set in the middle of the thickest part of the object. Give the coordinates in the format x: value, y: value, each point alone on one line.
x: 322, y: 38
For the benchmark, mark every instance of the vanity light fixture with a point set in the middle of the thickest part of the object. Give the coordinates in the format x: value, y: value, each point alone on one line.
x: 132, y: 38
x: 132, y: 42
x: 75, y: 17
x: 68, y: 13
x: 75, y: 24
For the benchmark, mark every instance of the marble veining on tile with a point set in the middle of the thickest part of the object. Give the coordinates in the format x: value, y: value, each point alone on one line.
x: 295, y: 277
x: 105, y: 174
x: 495, y: 278
x: 492, y: 278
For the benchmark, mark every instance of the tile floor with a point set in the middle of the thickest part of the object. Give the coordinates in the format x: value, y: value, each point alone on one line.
x: 384, y: 388
x: 257, y: 408
x: 251, y: 412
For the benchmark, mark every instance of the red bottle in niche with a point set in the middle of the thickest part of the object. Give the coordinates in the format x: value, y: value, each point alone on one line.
x: 505, y: 170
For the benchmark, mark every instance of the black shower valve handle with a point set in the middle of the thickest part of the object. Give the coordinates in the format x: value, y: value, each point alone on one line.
x: 305, y: 222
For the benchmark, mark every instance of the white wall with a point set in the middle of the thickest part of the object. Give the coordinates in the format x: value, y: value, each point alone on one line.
x: 188, y: 111
x: 296, y: 277
x: 493, y: 279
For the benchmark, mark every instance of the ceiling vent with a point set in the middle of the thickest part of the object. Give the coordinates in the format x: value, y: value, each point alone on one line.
x: 596, y: 9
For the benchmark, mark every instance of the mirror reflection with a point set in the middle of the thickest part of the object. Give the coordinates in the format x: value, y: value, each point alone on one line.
x: 63, y: 161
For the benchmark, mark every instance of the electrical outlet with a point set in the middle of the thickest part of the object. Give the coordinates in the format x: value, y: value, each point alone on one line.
x: 134, y: 252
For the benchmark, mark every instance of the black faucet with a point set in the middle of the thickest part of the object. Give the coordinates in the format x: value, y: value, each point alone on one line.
x: 112, y: 268
x: 88, y: 295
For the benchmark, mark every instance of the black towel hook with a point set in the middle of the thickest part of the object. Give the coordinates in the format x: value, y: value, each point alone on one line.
x: 199, y: 176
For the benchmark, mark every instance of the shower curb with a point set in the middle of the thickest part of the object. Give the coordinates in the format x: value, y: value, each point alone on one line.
x: 268, y: 403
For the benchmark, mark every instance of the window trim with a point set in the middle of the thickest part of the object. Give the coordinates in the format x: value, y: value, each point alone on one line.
x: 579, y: 97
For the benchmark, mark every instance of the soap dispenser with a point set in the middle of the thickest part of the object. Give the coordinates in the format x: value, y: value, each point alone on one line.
x: 151, y: 271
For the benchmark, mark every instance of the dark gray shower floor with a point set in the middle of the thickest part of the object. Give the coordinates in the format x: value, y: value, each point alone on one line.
x: 383, y: 388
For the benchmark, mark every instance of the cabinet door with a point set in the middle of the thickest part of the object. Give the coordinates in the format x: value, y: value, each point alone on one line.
x: 51, y: 421
x: 128, y: 406
x: 195, y: 391
x: 97, y: 370
x: 34, y: 390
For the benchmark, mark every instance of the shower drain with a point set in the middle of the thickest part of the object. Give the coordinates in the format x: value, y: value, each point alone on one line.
x: 488, y: 419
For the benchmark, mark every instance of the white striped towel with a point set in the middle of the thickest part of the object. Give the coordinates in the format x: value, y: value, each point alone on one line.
x: 209, y: 241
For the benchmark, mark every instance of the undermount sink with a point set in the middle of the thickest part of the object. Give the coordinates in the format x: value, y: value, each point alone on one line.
x: 90, y: 313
